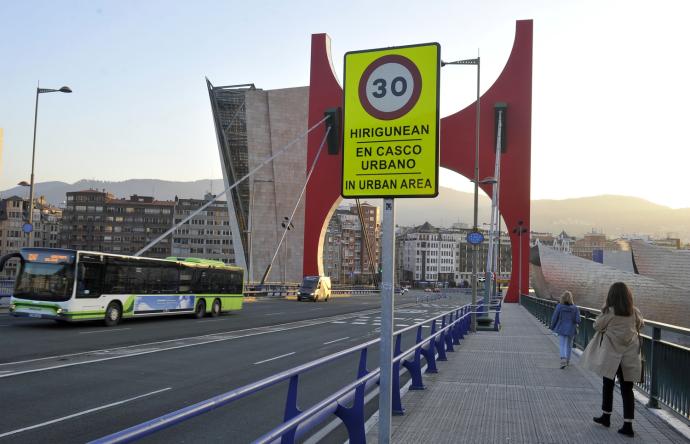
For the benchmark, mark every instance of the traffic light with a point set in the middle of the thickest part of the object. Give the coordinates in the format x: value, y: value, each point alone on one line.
x: 334, y: 122
x: 25, y: 211
x: 501, y: 111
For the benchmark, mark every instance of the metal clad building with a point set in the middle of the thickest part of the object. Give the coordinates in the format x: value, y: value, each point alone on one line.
x: 252, y: 125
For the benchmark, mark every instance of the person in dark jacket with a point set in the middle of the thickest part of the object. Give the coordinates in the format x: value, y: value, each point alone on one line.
x: 564, y: 321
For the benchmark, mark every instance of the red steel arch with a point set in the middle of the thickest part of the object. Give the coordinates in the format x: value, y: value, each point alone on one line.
x: 513, y: 86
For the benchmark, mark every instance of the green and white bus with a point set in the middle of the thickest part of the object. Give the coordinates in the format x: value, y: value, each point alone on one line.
x: 71, y: 285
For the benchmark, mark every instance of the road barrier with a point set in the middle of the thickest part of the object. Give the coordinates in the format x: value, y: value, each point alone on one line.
x: 447, y: 330
x: 666, y: 364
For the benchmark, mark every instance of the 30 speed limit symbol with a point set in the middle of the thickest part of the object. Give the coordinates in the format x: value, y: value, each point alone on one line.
x: 391, y: 121
x: 390, y: 87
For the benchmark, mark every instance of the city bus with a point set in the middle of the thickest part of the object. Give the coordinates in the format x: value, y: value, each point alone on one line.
x: 72, y: 285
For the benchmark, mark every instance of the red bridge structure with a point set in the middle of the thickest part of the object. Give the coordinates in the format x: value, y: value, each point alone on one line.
x: 457, y: 147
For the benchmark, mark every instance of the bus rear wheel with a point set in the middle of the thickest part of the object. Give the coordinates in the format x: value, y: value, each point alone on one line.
x: 200, y: 310
x: 215, y: 308
x: 113, y: 314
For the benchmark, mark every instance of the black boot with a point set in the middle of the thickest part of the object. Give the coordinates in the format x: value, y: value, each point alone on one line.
x: 627, y: 429
x: 604, y: 419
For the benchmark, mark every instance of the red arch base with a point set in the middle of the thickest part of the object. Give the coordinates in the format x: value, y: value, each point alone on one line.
x: 513, y: 86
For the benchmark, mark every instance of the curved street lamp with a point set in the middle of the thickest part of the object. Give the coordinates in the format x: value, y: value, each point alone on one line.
x: 39, y: 90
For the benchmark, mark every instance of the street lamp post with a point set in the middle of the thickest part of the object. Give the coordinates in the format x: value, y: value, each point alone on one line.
x: 519, y: 230
x: 475, y: 248
x: 39, y: 90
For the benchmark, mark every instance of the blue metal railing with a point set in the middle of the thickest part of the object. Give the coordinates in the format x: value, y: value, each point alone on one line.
x: 666, y: 363
x: 446, y: 331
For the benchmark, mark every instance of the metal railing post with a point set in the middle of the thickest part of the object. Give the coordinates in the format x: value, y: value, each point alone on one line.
x: 353, y: 417
x: 440, y: 342
x: 415, y: 366
x: 291, y: 410
x: 654, y: 369
x: 430, y: 353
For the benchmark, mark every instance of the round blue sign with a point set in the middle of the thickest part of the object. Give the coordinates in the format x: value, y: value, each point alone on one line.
x: 475, y: 237
x: 27, y: 228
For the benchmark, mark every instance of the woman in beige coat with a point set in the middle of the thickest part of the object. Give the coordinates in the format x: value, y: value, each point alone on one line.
x: 615, y: 351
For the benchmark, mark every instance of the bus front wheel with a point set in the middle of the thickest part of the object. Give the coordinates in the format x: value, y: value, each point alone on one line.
x: 215, y: 308
x: 113, y: 314
x: 200, y: 309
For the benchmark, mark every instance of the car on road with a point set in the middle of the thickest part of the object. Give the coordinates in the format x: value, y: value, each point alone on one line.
x: 315, y: 288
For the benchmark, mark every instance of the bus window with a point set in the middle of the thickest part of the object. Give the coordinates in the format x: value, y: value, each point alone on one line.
x: 89, y: 280
x: 168, y: 279
x: 186, y: 276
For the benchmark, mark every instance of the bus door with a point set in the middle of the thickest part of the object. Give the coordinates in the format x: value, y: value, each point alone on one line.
x: 90, y: 275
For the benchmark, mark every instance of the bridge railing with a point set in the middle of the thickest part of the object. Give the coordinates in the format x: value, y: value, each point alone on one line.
x: 6, y: 287
x: 347, y: 403
x: 666, y: 363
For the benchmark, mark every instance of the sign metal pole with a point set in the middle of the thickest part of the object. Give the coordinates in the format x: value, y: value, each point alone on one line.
x: 387, y: 291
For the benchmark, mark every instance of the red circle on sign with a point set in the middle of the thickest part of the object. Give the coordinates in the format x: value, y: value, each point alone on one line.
x: 416, y: 77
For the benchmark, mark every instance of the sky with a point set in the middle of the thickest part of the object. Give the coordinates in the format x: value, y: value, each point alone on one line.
x: 610, y: 82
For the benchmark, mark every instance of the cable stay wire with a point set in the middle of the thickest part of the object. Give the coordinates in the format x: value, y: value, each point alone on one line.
x: 249, y: 174
x: 294, y: 210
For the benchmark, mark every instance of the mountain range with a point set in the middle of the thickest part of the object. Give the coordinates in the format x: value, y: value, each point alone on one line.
x: 610, y: 214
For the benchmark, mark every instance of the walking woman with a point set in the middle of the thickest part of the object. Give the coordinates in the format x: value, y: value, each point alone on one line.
x: 615, y: 351
x: 564, y: 321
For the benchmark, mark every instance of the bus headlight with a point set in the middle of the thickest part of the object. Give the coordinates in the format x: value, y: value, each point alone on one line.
x: 59, y: 311
x: 13, y: 308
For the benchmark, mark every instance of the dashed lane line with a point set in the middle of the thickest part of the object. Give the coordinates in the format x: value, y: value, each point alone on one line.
x: 102, y: 331
x: 274, y: 358
x: 336, y: 340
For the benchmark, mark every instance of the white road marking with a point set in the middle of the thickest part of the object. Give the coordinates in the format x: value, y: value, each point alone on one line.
x: 338, y: 322
x: 359, y: 323
x: 74, y: 415
x: 102, y: 331
x: 336, y: 340
x: 209, y: 339
x: 402, y: 325
x: 273, y: 359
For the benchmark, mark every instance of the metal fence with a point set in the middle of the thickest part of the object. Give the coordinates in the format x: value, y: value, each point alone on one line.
x: 347, y: 403
x: 666, y: 363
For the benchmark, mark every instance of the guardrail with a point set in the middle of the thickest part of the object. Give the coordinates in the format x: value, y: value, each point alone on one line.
x: 278, y: 291
x: 6, y: 287
x: 446, y: 332
x: 666, y: 363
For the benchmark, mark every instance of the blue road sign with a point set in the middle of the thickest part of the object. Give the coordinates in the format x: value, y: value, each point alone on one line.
x: 27, y: 228
x: 475, y: 237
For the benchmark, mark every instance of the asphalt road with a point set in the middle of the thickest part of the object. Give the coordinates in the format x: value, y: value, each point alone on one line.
x: 78, y: 382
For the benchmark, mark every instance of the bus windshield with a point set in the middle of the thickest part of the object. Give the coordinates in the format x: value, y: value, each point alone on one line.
x: 45, y: 282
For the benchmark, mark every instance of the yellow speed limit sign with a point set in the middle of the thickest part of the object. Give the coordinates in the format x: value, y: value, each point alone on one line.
x: 390, y: 124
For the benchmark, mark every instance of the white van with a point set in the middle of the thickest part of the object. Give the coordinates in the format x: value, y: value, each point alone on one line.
x: 315, y: 288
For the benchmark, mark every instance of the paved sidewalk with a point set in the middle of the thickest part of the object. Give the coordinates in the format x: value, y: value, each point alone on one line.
x: 507, y: 387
